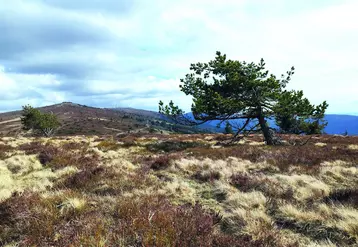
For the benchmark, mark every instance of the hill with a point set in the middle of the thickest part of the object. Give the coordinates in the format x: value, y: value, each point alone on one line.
x: 79, y: 119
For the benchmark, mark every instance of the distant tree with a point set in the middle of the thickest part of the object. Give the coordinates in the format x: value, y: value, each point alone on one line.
x: 228, y: 128
x: 310, y: 119
x: 30, y: 117
x: 226, y: 90
x: 45, y: 123
x: 48, y: 123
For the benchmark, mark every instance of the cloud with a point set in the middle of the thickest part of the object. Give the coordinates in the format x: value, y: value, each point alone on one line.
x: 133, y: 52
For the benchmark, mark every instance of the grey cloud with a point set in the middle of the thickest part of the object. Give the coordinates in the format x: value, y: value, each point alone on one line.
x: 30, y: 33
x: 61, y: 69
x: 60, y: 38
x: 54, y: 40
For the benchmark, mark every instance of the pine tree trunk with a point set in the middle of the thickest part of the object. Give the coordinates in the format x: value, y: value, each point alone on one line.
x: 268, y: 135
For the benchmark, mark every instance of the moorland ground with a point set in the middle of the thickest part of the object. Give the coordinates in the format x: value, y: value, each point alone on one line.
x: 178, y: 190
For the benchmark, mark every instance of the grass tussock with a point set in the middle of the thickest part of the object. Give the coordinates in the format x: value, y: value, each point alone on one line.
x: 107, y: 145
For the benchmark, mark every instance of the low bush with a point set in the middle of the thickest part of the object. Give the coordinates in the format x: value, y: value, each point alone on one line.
x: 161, y: 162
x: 32, y: 147
x: 107, y: 145
x: 32, y: 220
x: 153, y: 221
x: 85, y: 179
x: 245, y: 182
x: 48, y: 154
x: 207, y: 176
x: 4, y: 149
x: 156, y: 162
x: 70, y: 146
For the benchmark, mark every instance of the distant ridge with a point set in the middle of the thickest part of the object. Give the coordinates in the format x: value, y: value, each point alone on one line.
x: 77, y: 119
x: 83, y: 119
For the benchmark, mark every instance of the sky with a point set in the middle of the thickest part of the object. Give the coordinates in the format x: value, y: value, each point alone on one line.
x: 132, y: 53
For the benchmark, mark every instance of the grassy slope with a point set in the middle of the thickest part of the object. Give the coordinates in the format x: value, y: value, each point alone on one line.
x: 83, y: 120
x: 177, y: 190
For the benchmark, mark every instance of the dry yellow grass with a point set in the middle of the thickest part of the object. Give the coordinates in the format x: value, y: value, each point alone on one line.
x: 251, y: 200
x: 70, y: 204
x: 292, y: 212
x: 348, y: 220
x: 226, y: 167
x: 320, y: 144
x: 304, y: 186
x: 292, y: 193
x: 353, y: 146
x: 24, y: 172
x: 326, y: 243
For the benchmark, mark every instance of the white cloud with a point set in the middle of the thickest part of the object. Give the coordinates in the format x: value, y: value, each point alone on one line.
x: 134, y: 52
x: 20, y: 89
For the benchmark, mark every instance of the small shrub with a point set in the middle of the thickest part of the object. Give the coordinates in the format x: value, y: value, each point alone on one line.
x: 32, y: 147
x: 72, y: 146
x: 207, y: 176
x: 153, y: 221
x: 48, y: 154
x: 108, y: 145
x: 160, y: 163
x: 128, y: 140
x: 35, y: 221
x: 81, y: 160
x: 244, y: 182
x: 85, y: 179
x: 4, y: 149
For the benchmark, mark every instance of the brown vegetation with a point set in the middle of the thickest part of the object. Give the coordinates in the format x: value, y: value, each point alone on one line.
x: 177, y: 190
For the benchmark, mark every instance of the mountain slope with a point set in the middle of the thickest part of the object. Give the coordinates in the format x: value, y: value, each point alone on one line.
x: 79, y: 119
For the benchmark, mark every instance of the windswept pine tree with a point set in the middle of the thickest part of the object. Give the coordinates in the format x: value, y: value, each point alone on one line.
x: 224, y: 90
